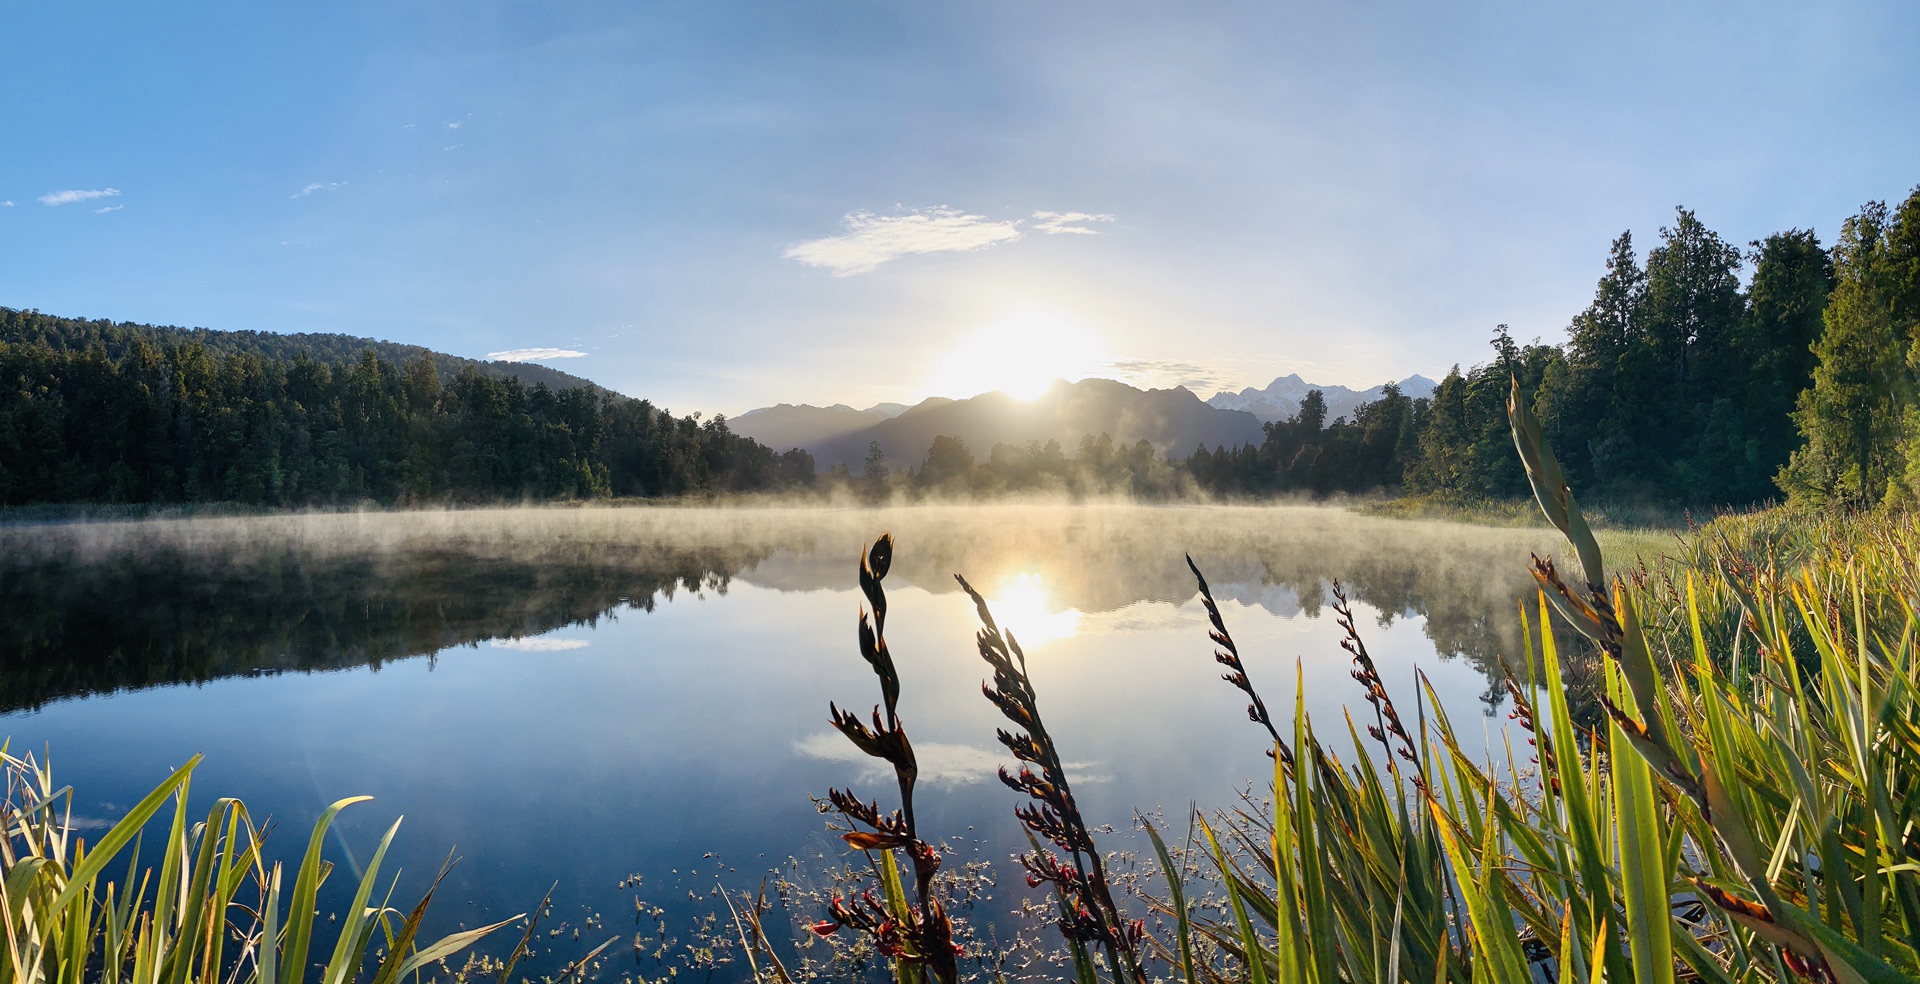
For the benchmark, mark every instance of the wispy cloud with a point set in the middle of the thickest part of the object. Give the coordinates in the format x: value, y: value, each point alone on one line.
x: 109, y: 208
x: 453, y: 147
x: 1071, y: 223
x: 1199, y: 377
x: 319, y: 186
x: 540, y: 645
x: 76, y: 195
x: 455, y: 125
x: 871, y: 240
x: 7, y: 204
x: 535, y: 354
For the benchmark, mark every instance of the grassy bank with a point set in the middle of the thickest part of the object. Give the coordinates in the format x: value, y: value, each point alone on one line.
x: 1745, y: 809
x: 213, y: 911
x: 1524, y: 513
x: 1747, y: 812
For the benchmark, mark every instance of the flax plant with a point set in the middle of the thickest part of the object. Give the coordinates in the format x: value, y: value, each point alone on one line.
x: 216, y: 912
x: 1748, y: 809
x: 1347, y: 855
x: 915, y: 932
x: 1089, y: 919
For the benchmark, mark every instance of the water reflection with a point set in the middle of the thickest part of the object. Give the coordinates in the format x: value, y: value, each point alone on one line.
x: 1021, y: 605
x: 98, y: 608
x: 600, y: 692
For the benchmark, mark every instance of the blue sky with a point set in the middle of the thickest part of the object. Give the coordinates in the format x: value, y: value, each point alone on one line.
x: 725, y: 205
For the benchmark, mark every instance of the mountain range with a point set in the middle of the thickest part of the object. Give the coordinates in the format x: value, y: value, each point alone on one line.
x: 1281, y: 398
x: 788, y: 425
x: 1172, y: 420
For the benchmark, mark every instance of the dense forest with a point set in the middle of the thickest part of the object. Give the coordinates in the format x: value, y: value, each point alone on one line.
x: 75, y: 333
x: 1682, y: 382
x: 98, y: 412
x: 1687, y: 381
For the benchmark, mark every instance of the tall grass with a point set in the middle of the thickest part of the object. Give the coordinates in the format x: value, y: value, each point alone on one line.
x: 1749, y: 811
x: 1745, y: 807
x: 215, y: 912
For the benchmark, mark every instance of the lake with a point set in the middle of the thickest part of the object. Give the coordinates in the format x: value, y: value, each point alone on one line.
x: 577, y: 696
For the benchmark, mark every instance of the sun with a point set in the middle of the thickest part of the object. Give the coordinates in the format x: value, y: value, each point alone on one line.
x: 1021, y: 354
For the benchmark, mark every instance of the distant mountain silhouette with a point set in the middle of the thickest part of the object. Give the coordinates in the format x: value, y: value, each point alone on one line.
x: 789, y: 425
x: 1281, y: 398
x: 1172, y: 420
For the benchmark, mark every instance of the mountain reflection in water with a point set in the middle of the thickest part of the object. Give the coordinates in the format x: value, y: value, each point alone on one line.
x: 94, y: 608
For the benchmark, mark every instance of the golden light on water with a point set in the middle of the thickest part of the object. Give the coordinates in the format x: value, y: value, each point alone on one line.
x: 1020, y: 354
x: 1020, y: 606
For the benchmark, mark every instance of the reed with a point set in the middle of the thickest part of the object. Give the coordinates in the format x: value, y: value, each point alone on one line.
x: 1741, y: 804
x: 1748, y: 809
x: 215, y: 912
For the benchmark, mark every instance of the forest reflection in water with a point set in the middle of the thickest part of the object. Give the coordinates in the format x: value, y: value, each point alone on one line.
x: 95, y: 608
x: 648, y: 688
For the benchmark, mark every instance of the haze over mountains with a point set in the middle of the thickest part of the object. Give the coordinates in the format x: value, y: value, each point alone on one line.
x: 1172, y: 420
x: 1281, y: 398
x: 788, y: 425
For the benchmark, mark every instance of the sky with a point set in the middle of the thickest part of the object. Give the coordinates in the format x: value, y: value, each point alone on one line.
x: 724, y: 205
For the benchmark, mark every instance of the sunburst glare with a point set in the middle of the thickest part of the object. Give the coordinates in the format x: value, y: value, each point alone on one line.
x: 1020, y: 355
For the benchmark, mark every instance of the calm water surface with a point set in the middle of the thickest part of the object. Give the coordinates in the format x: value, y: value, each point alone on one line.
x: 581, y: 695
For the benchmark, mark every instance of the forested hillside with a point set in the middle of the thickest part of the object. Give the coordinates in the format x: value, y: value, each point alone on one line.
x: 80, y: 333
x: 99, y: 412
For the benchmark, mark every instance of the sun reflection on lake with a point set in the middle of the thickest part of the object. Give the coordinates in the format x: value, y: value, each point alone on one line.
x: 1020, y: 606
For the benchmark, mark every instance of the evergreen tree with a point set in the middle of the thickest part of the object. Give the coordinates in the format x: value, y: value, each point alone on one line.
x: 1585, y: 407
x: 1463, y: 449
x: 1853, y: 415
x: 1792, y: 276
x: 1692, y: 311
x: 948, y: 463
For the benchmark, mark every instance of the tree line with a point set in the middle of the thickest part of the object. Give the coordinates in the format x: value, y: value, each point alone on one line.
x: 1682, y: 382
x: 159, y: 419
x: 1099, y: 466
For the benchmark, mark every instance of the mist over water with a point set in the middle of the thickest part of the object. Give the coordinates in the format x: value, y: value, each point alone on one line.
x: 583, y: 694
